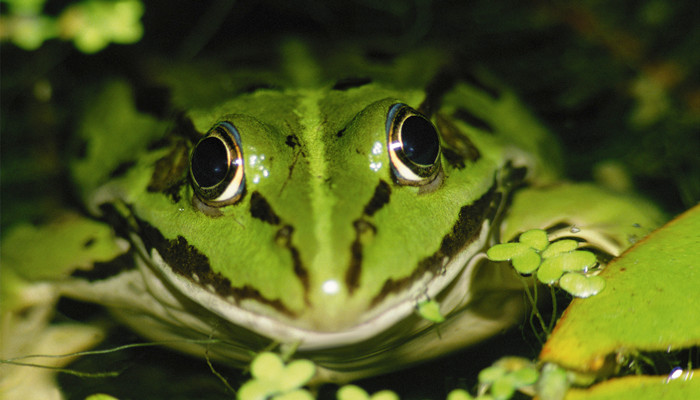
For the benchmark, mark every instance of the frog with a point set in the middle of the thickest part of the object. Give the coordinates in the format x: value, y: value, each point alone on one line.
x: 311, y: 204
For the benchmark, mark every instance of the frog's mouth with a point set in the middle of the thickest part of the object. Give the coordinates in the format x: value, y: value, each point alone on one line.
x: 447, y: 277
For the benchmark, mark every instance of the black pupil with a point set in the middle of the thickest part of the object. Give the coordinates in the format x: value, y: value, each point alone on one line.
x: 209, y: 162
x: 420, y: 141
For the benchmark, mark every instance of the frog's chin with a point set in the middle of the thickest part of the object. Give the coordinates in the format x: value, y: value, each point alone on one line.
x: 203, y: 310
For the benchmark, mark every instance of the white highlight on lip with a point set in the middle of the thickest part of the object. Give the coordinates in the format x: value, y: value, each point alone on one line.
x: 330, y: 286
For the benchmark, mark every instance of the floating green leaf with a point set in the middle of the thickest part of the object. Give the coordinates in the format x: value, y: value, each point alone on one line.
x: 550, y: 271
x: 535, y: 238
x: 430, y: 310
x: 527, y: 262
x: 506, y: 251
x: 560, y: 246
x: 580, y: 285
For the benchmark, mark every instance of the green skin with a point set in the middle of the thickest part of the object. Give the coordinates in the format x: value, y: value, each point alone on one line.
x: 329, y: 249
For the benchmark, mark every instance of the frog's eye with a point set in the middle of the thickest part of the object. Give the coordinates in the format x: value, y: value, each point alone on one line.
x: 413, y: 145
x: 216, y: 166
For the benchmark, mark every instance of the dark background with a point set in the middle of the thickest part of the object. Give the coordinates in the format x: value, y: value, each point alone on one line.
x: 614, y: 80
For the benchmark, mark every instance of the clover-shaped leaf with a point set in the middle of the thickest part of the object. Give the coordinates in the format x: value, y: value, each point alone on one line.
x: 506, y: 376
x: 523, y: 256
x: 272, y: 379
x: 550, y: 261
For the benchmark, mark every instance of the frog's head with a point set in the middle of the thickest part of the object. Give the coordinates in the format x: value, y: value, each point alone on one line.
x: 321, y: 210
x: 327, y: 211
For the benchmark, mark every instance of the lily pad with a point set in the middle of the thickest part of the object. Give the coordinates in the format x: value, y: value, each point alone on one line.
x: 651, y: 302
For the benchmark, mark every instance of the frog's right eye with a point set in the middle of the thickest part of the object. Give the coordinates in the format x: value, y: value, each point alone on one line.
x: 216, y: 166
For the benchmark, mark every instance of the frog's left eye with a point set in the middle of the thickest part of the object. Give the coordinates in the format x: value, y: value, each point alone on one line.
x: 216, y: 166
x: 413, y: 145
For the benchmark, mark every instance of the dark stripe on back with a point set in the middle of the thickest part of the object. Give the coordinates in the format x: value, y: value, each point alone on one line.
x: 476, y: 82
x: 471, y: 119
x: 122, y: 169
x: 458, y: 147
x: 464, y: 232
x: 436, y: 90
x: 170, y: 171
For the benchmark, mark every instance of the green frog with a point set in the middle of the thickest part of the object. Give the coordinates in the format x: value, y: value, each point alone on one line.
x: 314, y: 203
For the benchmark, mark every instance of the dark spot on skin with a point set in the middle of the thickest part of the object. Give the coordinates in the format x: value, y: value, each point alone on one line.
x: 158, y: 144
x: 352, y: 82
x: 105, y: 270
x: 169, y: 173
x: 121, y: 169
x: 436, y: 90
x: 381, y: 196
x: 340, y: 133
x: 89, y: 242
x: 464, y: 232
x: 300, y: 271
x: 183, y: 127
x: 119, y: 223
x: 363, y: 230
x: 471, y: 119
x: 261, y: 209
x: 458, y: 148
x: 476, y: 82
x: 453, y: 158
x: 291, y: 141
x: 186, y: 260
